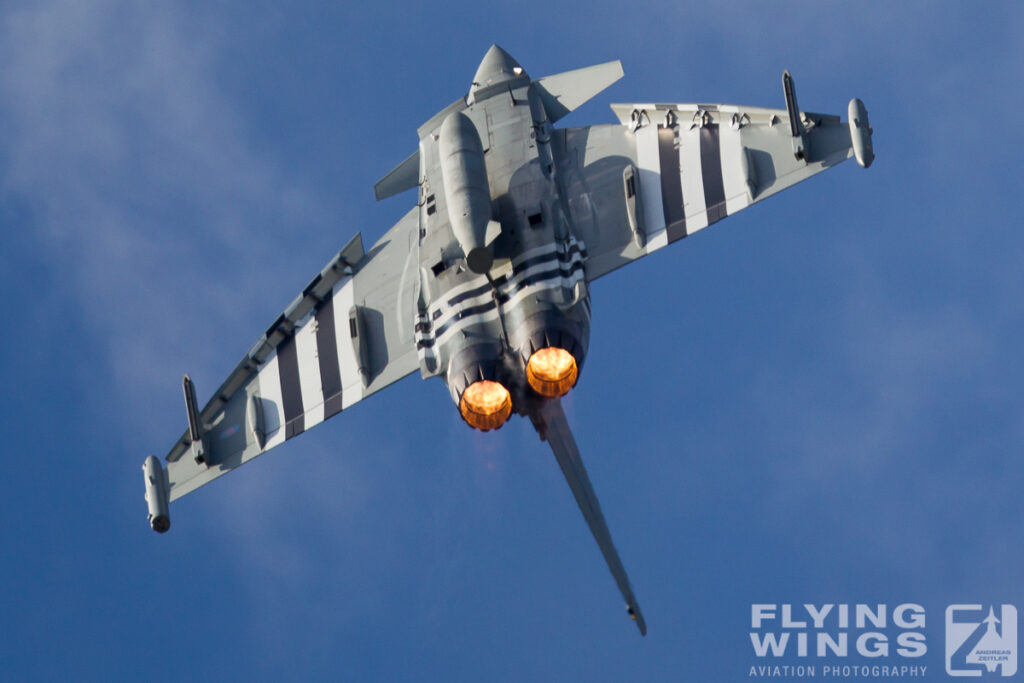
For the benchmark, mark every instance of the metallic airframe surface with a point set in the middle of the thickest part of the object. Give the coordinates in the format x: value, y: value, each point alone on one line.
x: 484, y: 282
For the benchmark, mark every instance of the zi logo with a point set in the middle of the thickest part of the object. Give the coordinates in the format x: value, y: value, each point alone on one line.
x: 980, y: 641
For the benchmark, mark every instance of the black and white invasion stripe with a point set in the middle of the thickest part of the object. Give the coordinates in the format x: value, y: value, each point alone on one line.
x: 546, y: 267
x: 313, y: 374
x: 691, y: 176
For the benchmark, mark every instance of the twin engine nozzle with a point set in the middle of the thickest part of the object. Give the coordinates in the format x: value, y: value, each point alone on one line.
x: 486, y: 404
x: 539, y: 359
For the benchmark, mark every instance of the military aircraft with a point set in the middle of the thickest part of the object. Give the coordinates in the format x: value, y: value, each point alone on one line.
x: 485, y: 281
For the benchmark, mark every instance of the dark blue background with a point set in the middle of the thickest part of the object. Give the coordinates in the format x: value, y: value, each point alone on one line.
x: 817, y: 400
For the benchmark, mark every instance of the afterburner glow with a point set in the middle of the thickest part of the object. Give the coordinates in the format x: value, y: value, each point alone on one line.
x: 485, y: 405
x: 552, y: 372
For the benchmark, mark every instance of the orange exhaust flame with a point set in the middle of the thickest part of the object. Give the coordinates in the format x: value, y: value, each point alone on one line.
x: 552, y: 372
x: 485, y: 405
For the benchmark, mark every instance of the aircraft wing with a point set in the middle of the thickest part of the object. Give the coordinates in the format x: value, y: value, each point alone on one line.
x: 346, y: 336
x: 670, y: 170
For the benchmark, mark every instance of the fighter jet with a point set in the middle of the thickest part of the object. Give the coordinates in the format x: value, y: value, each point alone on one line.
x: 484, y: 283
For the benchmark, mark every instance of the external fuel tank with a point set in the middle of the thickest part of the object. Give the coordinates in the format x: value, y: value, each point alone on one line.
x: 466, y: 191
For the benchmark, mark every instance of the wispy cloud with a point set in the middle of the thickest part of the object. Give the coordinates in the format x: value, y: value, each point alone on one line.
x: 165, y: 228
x: 138, y: 178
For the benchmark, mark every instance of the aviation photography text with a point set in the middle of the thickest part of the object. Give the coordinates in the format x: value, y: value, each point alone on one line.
x: 811, y: 641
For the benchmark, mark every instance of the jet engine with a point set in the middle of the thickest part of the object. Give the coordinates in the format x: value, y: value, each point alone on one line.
x: 551, y: 345
x: 552, y: 371
x: 474, y: 380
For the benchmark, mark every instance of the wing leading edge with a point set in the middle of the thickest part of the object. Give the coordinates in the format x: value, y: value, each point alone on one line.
x: 342, y: 339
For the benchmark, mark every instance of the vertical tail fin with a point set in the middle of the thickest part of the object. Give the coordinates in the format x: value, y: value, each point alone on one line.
x: 552, y: 426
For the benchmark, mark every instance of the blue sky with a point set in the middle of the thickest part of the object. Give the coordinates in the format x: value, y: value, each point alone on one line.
x: 817, y: 400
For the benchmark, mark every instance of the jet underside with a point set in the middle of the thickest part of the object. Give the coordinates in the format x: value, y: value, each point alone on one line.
x: 484, y: 283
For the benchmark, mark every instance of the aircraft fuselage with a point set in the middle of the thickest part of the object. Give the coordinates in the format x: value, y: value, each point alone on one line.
x: 501, y: 273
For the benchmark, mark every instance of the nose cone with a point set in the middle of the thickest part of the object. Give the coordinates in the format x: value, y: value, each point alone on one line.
x: 497, y: 66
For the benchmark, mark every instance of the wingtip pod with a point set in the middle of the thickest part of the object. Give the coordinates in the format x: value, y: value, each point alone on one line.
x: 860, y: 133
x: 156, y: 494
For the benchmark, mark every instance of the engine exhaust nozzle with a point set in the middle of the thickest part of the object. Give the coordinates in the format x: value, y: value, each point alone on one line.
x: 485, y: 405
x: 552, y: 372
